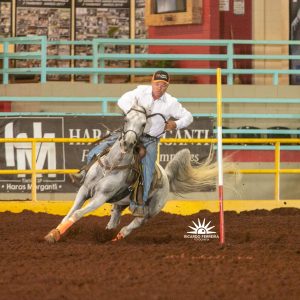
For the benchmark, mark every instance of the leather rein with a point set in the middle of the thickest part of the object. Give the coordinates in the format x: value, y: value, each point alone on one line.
x: 107, y: 166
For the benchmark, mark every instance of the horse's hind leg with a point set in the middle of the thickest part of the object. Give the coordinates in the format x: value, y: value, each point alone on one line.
x: 116, y: 212
x: 156, y: 205
x: 126, y: 230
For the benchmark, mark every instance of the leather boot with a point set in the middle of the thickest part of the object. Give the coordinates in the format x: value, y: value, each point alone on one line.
x: 79, y: 177
x: 138, y: 210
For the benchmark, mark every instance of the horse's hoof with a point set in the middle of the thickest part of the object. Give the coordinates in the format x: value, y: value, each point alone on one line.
x: 119, y: 236
x: 52, y: 237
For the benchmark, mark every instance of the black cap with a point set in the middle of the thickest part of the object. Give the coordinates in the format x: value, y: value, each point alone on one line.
x: 161, y: 76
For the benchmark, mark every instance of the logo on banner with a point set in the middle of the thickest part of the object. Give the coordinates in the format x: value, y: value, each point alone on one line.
x: 201, y: 231
x: 18, y: 155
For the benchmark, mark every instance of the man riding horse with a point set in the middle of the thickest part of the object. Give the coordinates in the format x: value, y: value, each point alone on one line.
x: 160, y: 107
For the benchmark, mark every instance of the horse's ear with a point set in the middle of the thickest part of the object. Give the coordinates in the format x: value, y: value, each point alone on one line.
x: 135, y: 102
x: 147, y: 109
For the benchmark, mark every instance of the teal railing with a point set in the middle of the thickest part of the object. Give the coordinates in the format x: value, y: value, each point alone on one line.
x: 232, y: 132
x: 98, y: 58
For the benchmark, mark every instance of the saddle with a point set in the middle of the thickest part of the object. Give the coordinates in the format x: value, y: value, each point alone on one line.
x: 138, y: 186
x: 157, y: 175
x: 135, y: 176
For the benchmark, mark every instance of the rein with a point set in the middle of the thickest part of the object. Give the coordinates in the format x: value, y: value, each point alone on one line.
x: 106, y: 165
x: 158, y: 114
x: 147, y: 117
x: 130, y: 130
x: 110, y: 168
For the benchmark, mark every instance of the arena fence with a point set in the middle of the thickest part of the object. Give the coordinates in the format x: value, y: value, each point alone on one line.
x: 100, y: 63
x: 228, y: 132
x: 229, y: 143
x: 33, y: 171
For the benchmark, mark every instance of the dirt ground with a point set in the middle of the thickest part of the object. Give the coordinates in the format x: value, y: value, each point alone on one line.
x: 261, y: 259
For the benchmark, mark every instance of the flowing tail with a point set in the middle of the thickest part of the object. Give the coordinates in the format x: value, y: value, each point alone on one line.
x: 185, y: 178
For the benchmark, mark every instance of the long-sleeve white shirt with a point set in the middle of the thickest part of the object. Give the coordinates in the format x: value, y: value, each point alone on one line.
x: 166, y: 105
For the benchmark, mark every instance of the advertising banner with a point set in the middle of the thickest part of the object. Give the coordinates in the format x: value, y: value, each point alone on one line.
x: 48, y: 18
x: 5, y: 18
x: 101, y: 19
x: 103, y: 3
x: 17, y: 156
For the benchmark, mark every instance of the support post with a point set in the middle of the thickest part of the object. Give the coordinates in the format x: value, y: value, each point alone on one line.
x: 277, y: 171
x: 132, y: 35
x: 33, y: 175
x: 43, y: 59
x: 5, y: 63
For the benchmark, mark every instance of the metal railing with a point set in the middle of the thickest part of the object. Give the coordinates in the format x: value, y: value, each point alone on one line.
x: 33, y: 171
x: 98, y: 58
x: 232, y: 132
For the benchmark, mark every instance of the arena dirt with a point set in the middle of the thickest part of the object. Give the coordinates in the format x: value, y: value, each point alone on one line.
x: 261, y: 259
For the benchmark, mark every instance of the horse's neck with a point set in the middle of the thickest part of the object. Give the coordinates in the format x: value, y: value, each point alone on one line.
x: 115, y: 155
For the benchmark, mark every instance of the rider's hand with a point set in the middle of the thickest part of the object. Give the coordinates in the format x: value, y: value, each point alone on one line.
x: 170, y: 125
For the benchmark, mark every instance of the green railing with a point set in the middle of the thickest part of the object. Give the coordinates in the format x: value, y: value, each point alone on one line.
x: 228, y: 133
x: 98, y: 58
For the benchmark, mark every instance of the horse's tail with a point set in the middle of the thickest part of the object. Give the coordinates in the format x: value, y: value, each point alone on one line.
x: 185, y: 178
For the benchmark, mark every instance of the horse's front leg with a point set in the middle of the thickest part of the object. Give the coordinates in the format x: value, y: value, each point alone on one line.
x: 96, y: 201
x: 81, y: 197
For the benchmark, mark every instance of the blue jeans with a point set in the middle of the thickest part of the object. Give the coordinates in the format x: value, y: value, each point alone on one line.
x: 108, y: 142
x: 148, y: 161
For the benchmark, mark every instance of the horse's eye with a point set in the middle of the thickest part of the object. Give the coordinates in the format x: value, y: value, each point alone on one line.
x: 143, y: 125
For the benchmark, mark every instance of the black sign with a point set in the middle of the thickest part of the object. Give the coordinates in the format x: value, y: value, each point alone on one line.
x: 17, y: 156
x: 200, y: 129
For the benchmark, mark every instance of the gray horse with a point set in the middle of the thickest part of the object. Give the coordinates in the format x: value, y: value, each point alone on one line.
x: 107, y: 177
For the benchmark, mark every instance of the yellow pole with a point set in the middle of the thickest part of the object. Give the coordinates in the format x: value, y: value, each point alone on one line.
x: 33, y: 176
x: 220, y: 154
x: 277, y: 169
x: 219, y: 98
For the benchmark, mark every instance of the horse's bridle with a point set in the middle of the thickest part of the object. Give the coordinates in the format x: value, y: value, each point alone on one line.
x: 123, y: 133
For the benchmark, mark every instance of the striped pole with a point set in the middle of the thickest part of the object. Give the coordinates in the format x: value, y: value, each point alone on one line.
x: 220, y: 154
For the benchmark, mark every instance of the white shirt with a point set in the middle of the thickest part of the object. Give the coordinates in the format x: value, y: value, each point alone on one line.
x: 166, y: 105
